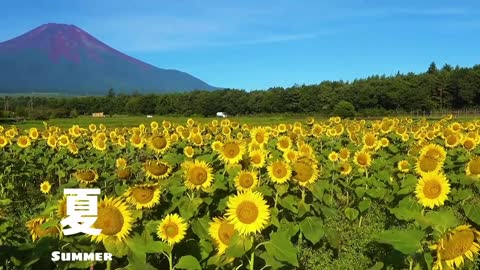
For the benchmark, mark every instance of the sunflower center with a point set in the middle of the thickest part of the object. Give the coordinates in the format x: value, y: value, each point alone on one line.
x: 247, y: 212
x: 143, y: 194
x: 474, y: 166
x: 284, y: 144
x: 256, y: 159
x: 259, y: 137
x: 246, y: 180
x: 362, y: 159
x: 468, y: 144
x: 87, y: 176
x: 279, y: 170
x: 109, y: 219
x: 171, y: 230
x: 428, y: 164
x: 23, y: 141
x: 451, y: 139
x: 225, y: 232
x: 197, y: 175
x: 123, y: 173
x: 370, y: 140
x: 231, y: 150
x: 432, y: 189
x: 457, y: 245
x: 157, y: 169
x: 159, y: 142
x: 303, y: 172
x: 136, y: 139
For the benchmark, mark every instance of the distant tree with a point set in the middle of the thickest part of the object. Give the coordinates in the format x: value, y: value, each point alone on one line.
x: 432, y: 69
x: 344, y: 109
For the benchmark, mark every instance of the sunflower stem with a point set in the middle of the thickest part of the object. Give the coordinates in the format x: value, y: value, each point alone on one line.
x: 109, y: 265
x: 252, y: 260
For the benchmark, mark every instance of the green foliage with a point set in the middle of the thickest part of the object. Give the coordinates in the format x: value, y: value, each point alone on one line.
x: 344, y: 109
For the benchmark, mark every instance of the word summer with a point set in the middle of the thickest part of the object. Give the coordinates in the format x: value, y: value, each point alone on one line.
x: 80, y: 256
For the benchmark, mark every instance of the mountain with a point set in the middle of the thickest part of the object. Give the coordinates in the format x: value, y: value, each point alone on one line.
x: 60, y: 58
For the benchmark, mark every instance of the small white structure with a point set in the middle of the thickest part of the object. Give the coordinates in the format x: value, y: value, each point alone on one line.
x: 222, y: 114
x: 149, y: 116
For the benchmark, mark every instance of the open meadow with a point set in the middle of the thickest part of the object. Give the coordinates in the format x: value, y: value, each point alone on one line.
x: 274, y: 192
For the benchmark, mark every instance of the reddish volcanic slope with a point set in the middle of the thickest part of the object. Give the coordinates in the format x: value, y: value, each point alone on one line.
x: 64, y: 58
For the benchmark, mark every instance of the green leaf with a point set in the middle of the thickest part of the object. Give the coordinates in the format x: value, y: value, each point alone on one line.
x: 441, y: 220
x: 117, y: 248
x: 312, y: 229
x: 408, y: 209
x: 405, y: 241
x: 188, y: 262
x: 317, y: 189
x: 351, y: 213
x: 289, y: 203
x: 303, y: 208
x: 364, y: 205
x: 236, y: 247
x: 290, y: 228
x: 377, y: 266
x: 200, y: 227
x: 376, y: 193
x: 188, y: 207
x: 5, y: 202
x: 280, y: 247
x: 472, y: 212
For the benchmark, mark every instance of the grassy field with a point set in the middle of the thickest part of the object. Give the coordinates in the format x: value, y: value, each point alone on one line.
x: 130, y: 121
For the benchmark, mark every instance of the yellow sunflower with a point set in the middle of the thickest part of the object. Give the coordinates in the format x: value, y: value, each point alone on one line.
x: 432, y: 189
x: 284, y: 143
x: 257, y: 158
x: 113, y: 218
x: 143, y: 196
x: 33, y: 133
x: 63, y: 140
x: 35, y: 227
x: 137, y: 140
x: 469, y: 144
x: 403, y: 166
x: 434, y: 151
x: 155, y: 169
x: 23, y: 141
x: 473, y: 167
x: 45, y: 187
x: 370, y: 140
x: 279, y: 171
x: 62, y: 208
x: 121, y: 163
x: 72, y: 148
x: 345, y: 168
x: 231, y: 152
x: 198, y: 174
x: 304, y: 172
x: 3, y: 141
x: 246, y: 180
x: 172, y: 229
x: 453, y: 140
x: 124, y: 173
x: 86, y: 176
x: 259, y: 135
x: 463, y: 241
x: 344, y: 154
x: 362, y: 159
x: 159, y: 143
x: 221, y: 231
x: 188, y: 151
x: 333, y: 156
x: 248, y: 212
x: 426, y: 164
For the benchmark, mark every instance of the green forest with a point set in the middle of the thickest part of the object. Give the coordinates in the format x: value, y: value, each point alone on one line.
x: 438, y: 88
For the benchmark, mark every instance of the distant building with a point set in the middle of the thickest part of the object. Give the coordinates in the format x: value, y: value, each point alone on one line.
x: 98, y: 114
x: 222, y: 114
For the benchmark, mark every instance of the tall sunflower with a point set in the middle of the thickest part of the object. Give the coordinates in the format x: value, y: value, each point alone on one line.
x: 155, y: 169
x: 23, y: 141
x: 221, y: 231
x: 432, y: 189
x: 304, y: 172
x: 463, y: 241
x: 45, y: 187
x: 232, y: 151
x: 143, y: 196
x: 473, y: 167
x: 362, y: 159
x: 279, y: 171
x: 198, y: 174
x: 159, y: 143
x: 172, y: 229
x: 246, y: 180
x: 35, y: 227
x: 113, y: 218
x: 248, y: 212
x: 86, y: 176
x: 257, y: 158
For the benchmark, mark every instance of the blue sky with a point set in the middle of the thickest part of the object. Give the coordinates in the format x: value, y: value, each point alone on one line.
x: 260, y: 44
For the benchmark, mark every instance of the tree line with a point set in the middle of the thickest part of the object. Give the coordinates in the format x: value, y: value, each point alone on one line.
x: 438, y: 88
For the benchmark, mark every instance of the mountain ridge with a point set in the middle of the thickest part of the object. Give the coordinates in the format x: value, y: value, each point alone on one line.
x: 64, y: 58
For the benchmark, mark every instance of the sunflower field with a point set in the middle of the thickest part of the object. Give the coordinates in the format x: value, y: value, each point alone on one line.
x: 395, y: 193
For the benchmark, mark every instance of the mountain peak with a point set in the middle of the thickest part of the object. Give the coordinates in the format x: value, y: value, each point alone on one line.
x: 71, y: 48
